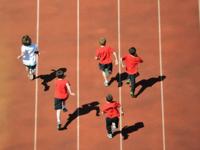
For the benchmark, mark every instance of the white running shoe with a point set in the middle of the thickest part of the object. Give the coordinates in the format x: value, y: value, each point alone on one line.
x: 109, y: 136
x: 106, y: 83
x: 31, y: 76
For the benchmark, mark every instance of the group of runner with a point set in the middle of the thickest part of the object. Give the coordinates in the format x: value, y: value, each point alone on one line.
x: 104, y: 53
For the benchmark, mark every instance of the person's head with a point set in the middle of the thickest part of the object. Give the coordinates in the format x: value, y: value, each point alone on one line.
x: 102, y: 41
x: 132, y: 51
x: 60, y: 74
x: 26, y: 40
x: 109, y: 98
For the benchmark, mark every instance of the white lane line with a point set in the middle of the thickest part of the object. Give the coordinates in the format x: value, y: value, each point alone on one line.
x: 78, y: 70
x: 36, y: 81
x: 119, y: 68
x: 38, y: 22
x: 199, y: 10
x: 161, y: 74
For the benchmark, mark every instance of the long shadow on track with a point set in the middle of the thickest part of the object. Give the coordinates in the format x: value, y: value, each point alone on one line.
x: 144, y: 83
x: 127, y: 130
x: 46, y: 78
x: 83, y: 110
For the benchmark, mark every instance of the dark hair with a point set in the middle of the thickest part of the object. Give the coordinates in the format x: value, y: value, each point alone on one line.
x: 102, y: 41
x: 132, y: 50
x: 26, y: 40
x: 109, y: 98
x: 60, y: 74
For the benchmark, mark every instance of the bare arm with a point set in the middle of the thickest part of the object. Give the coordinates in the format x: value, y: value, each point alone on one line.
x: 96, y: 58
x: 116, y: 60
x: 69, y: 89
x: 121, y: 62
x: 21, y: 55
x: 122, y: 111
x: 37, y: 51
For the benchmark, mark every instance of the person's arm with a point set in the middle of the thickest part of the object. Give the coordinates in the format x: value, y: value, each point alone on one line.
x: 103, y: 111
x: 122, y: 63
x: 116, y: 60
x: 96, y: 58
x: 36, y: 50
x: 139, y: 60
x: 97, y: 55
x: 69, y: 89
x: 122, y: 111
x: 21, y: 55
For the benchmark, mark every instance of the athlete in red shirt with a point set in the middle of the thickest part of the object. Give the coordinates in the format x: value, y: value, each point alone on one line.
x: 104, y: 55
x: 62, y: 91
x: 112, y: 114
x: 131, y: 61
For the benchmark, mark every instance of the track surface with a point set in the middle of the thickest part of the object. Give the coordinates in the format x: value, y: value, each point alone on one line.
x: 139, y: 27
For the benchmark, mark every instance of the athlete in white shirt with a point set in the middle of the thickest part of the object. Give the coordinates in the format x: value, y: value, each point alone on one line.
x: 28, y: 55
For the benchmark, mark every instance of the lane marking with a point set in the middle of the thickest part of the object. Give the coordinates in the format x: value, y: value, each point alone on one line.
x: 119, y: 67
x: 78, y: 70
x: 36, y: 81
x: 199, y: 10
x: 161, y: 74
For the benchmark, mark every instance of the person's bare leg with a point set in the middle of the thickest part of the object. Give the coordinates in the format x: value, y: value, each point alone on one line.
x: 58, y: 118
x: 105, y: 78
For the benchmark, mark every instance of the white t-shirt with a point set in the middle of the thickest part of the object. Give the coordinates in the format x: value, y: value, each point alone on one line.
x: 29, y: 57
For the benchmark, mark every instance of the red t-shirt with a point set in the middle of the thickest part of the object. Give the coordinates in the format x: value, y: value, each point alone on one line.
x: 104, y: 54
x: 61, y: 89
x: 131, y: 63
x: 111, y: 109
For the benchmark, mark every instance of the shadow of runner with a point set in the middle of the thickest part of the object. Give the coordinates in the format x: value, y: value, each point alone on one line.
x: 126, y: 130
x: 148, y: 83
x: 83, y: 110
x: 46, y: 78
x: 119, y: 78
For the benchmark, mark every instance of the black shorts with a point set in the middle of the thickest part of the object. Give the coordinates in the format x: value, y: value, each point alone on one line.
x: 106, y: 66
x: 109, y: 122
x: 31, y: 67
x: 58, y: 103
